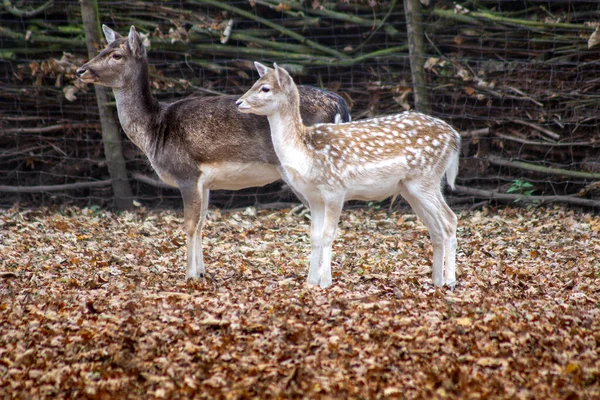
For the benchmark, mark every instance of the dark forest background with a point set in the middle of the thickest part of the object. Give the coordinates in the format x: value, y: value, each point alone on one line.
x: 518, y: 79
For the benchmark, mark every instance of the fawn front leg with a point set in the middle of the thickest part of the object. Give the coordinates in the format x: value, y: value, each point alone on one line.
x: 333, y: 209
x: 317, y: 214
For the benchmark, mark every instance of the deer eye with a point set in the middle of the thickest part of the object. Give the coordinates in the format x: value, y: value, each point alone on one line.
x: 265, y: 89
x: 116, y: 56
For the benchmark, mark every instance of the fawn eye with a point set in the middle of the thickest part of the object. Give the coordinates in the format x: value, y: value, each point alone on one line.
x: 116, y: 56
x: 265, y: 89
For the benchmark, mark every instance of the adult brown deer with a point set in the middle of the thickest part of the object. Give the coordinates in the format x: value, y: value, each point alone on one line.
x: 196, y: 144
x: 372, y: 159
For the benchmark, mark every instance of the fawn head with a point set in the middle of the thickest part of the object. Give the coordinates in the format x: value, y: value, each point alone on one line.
x: 265, y: 96
x: 115, y: 65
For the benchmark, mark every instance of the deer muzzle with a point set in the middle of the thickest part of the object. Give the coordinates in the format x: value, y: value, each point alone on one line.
x: 85, y: 74
x: 242, y: 106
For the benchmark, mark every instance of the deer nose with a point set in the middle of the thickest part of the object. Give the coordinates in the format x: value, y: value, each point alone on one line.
x: 80, y: 71
x: 239, y: 102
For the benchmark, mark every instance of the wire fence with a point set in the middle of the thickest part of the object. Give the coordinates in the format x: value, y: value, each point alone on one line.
x: 519, y: 80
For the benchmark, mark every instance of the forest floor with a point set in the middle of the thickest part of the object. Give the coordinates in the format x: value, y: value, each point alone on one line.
x: 95, y: 304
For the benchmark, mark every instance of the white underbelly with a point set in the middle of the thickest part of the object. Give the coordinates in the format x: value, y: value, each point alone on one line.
x: 373, y: 189
x: 235, y: 176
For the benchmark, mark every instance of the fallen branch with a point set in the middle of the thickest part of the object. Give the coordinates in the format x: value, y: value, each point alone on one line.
x: 541, y: 169
x: 472, y: 18
x: 37, y: 38
x: 341, y: 16
x: 150, y: 181
x: 5, y: 118
x: 527, y: 22
x: 391, y: 51
x: 29, y: 12
x: 475, y: 133
x: 540, y: 143
x: 509, y: 197
x: 244, y: 37
x: 462, y: 18
x: 271, y: 24
x: 51, y: 128
x: 304, y: 59
x: 547, y: 132
x: 526, y: 96
x: 254, y: 52
x: 54, y: 188
x: 504, y: 96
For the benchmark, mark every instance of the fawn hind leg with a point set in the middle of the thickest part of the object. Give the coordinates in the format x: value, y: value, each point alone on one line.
x: 428, y: 204
x: 450, y: 224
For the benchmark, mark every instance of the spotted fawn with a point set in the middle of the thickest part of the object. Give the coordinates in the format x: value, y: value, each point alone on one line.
x: 406, y: 154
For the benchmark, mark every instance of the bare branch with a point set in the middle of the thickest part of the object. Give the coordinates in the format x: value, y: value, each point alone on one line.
x: 27, y: 13
x: 52, y: 128
x: 539, y: 168
x: 54, y: 188
x: 509, y: 197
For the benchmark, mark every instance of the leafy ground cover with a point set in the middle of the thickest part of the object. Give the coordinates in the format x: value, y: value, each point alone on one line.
x: 95, y: 304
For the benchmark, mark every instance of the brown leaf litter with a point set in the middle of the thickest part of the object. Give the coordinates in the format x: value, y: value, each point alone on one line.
x: 94, y: 304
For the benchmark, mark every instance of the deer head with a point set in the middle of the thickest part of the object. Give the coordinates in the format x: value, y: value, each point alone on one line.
x: 269, y: 92
x: 123, y: 58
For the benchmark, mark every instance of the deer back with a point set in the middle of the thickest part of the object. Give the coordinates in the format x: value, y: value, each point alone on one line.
x: 413, y: 142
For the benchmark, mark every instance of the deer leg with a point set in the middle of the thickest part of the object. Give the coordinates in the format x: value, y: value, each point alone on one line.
x: 450, y: 223
x: 317, y: 214
x: 425, y: 205
x: 193, y: 213
x: 333, y: 209
x: 198, y: 253
x: 447, y: 221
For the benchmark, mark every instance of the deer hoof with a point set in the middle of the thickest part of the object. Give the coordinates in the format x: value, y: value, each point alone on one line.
x: 195, y: 276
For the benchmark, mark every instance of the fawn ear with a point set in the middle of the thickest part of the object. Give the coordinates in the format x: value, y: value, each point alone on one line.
x: 283, y: 78
x: 109, y: 34
x: 262, y: 69
x: 135, y: 43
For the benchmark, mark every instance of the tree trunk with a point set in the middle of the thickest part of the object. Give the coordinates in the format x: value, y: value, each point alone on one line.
x: 111, y: 132
x: 416, y: 47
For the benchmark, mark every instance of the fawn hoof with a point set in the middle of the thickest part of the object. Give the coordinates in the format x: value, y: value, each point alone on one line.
x: 312, y: 281
x: 325, y: 283
x: 196, y: 275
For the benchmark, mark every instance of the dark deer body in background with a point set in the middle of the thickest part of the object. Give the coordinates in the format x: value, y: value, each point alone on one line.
x: 196, y: 144
x: 373, y: 159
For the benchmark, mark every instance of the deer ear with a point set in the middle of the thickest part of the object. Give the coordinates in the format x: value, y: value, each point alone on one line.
x: 135, y: 43
x: 109, y: 34
x: 283, y: 78
x: 262, y: 69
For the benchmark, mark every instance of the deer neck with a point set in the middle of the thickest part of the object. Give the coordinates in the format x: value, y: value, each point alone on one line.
x: 288, y: 130
x: 138, y: 109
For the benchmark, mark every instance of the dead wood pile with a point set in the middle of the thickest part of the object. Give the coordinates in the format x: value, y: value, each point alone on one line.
x: 519, y: 81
